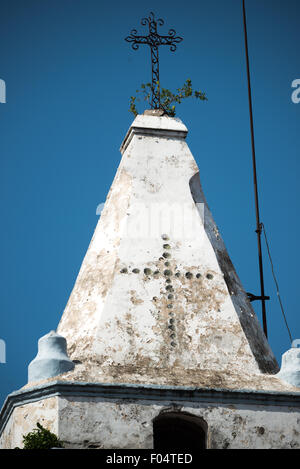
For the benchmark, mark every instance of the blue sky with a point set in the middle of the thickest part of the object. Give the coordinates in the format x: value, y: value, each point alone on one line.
x: 69, y: 76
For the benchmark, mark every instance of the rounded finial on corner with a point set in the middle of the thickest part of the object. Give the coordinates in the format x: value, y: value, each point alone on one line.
x: 52, y: 358
x: 290, y: 365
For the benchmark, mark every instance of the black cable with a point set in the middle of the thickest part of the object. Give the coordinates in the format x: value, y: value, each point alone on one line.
x: 275, y: 280
x: 258, y: 224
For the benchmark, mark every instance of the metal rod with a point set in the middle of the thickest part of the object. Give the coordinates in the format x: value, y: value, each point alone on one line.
x: 258, y: 223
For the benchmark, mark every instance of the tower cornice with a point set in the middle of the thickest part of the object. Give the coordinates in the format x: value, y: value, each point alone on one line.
x: 155, y: 126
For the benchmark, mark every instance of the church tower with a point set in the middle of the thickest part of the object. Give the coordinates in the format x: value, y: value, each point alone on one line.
x: 158, y: 346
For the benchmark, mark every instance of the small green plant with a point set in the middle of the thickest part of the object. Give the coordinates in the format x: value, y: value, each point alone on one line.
x: 41, y: 438
x: 168, y: 100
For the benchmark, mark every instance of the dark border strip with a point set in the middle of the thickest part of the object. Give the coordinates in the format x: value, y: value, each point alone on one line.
x: 147, y: 394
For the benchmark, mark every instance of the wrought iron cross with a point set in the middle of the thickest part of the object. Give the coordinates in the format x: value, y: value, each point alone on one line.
x: 154, y: 40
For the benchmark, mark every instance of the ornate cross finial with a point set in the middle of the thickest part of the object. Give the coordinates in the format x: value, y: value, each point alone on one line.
x: 154, y: 40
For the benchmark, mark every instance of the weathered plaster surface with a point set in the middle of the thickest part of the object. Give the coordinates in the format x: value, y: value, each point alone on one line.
x: 24, y: 418
x: 157, y: 302
x: 83, y: 422
x: 248, y: 319
x: 169, y: 377
x: 197, y: 329
x: 131, y: 424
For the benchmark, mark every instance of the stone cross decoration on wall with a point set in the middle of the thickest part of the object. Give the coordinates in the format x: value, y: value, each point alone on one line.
x: 154, y: 40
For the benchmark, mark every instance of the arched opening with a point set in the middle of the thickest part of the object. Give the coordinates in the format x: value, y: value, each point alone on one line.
x: 176, y: 430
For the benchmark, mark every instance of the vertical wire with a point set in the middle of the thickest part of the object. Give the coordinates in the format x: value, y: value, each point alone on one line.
x: 276, y: 282
x: 258, y: 224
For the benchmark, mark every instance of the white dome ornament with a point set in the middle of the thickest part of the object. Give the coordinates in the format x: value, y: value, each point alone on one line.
x: 290, y: 365
x: 52, y: 358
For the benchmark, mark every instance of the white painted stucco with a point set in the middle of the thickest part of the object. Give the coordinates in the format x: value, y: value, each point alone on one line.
x: 24, y: 419
x: 94, y: 423
x: 122, y: 325
x: 200, y: 336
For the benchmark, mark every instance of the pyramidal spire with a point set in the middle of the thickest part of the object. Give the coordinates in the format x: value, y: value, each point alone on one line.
x: 157, y: 299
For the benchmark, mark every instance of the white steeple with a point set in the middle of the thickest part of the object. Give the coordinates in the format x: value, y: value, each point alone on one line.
x: 162, y: 339
x: 157, y: 299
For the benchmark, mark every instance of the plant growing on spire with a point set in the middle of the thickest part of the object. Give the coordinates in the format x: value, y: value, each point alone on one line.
x: 168, y: 100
